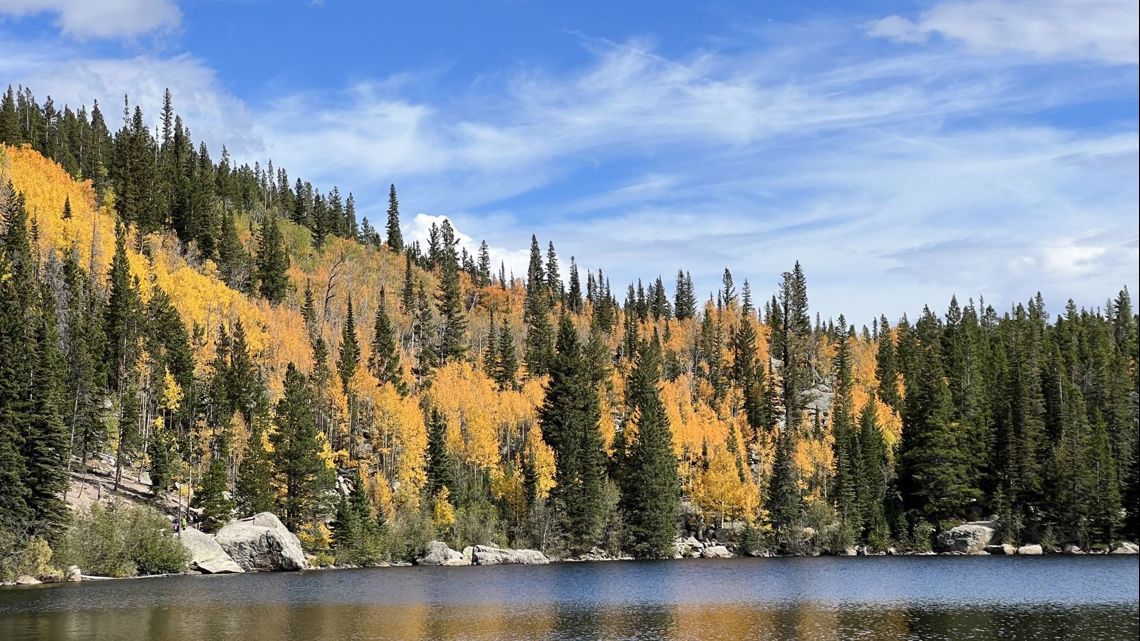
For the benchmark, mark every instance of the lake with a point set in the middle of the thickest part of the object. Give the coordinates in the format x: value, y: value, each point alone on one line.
x: 920, y: 598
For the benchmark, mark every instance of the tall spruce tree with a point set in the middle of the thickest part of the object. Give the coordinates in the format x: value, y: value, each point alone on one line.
x: 452, y: 341
x: 570, y: 418
x: 650, y: 485
x: 272, y: 262
x: 349, y: 358
x: 933, y: 472
x: 439, y: 473
x: 18, y: 304
x: 384, y: 359
x: 253, y: 489
x: 296, y: 451
x: 395, y: 239
x: 536, y: 314
x: 846, y: 447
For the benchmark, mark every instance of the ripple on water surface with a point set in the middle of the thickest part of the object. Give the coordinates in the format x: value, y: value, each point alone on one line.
x: 919, y: 598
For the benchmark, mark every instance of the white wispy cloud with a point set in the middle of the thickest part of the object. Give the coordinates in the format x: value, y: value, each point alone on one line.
x: 897, y: 176
x: 101, y: 18
x: 69, y: 75
x: 1100, y: 30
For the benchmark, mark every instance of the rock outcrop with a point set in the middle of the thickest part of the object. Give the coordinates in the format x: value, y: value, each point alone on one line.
x: 1126, y: 548
x: 206, y: 555
x: 715, y: 552
x: 1072, y: 549
x: 687, y: 548
x: 488, y: 555
x: 968, y: 538
x: 1030, y: 550
x: 437, y: 553
x: 1005, y: 549
x: 74, y: 574
x: 25, y: 579
x: 262, y: 544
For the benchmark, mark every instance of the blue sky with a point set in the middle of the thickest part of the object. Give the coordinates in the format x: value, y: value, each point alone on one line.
x: 902, y: 151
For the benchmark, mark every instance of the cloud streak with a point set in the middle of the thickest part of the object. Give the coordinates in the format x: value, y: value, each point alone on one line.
x: 897, y: 174
x: 83, y: 19
x: 1098, y: 30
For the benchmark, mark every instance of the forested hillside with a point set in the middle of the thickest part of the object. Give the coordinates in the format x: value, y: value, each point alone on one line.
x: 253, y: 346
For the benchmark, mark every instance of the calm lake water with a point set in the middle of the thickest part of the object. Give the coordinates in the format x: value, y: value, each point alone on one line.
x: 1088, y: 598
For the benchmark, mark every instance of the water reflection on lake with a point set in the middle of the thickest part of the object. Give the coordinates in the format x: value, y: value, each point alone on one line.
x: 873, y: 598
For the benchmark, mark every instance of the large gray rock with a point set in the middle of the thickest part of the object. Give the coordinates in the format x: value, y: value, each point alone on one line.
x: 1005, y: 549
x: 437, y: 553
x: 262, y: 544
x: 25, y: 579
x: 1126, y: 548
x: 715, y: 552
x: 1030, y: 550
x: 488, y: 555
x: 968, y: 538
x: 74, y: 574
x: 1073, y: 549
x: 690, y: 547
x: 206, y: 555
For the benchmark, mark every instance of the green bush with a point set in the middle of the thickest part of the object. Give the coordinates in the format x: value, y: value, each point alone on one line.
x: 407, y: 534
x: 25, y: 555
x: 749, y: 543
x: 123, y: 540
x: 477, y: 524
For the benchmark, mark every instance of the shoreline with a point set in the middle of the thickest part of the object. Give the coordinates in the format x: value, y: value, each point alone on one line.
x: 555, y: 561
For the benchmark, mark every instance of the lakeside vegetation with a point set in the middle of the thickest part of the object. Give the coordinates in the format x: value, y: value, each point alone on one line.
x: 253, y: 347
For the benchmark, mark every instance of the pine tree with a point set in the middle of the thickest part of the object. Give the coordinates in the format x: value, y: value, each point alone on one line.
x: 408, y: 291
x: 536, y: 313
x: 570, y: 425
x: 349, y: 350
x: 885, y: 368
x: 448, y: 300
x: 728, y: 289
x: 272, y: 262
x: 233, y: 262
x: 296, y: 451
x: 395, y: 238
x: 873, y: 473
x: 744, y: 373
x: 217, y: 508
x: 794, y: 337
x: 932, y: 470
x: 553, y: 277
x: 122, y: 331
x: 10, y: 130
x: 17, y: 306
x: 253, y: 491
x: 439, y: 476
x: 244, y: 387
x: 160, y: 454
x: 847, y: 453
x: 785, y: 502
x: 507, y: 361
x: 83, y: 355
x: 67, y: 208
x: 384, y: 359
x: 45, y: 442
x: 650, y: 486
x: 685, y: 300
x: 574, y: 296
x: 483, y: 271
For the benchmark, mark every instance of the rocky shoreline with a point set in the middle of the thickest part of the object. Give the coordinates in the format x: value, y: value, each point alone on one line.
x: 262, y: 543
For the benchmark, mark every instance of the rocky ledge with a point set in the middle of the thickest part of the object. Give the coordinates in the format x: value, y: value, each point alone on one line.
x: 437, y: 553
x: 260, y: 543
